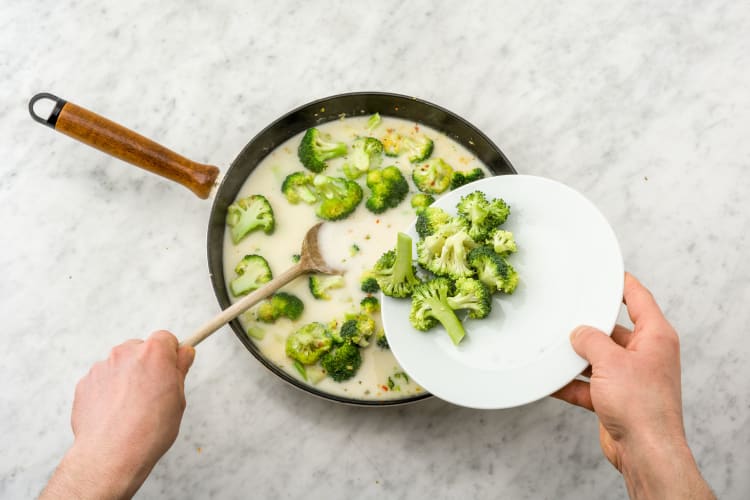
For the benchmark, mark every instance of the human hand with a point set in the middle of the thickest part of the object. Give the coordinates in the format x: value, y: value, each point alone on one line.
x: 635, y: 390
x: 126, y: 414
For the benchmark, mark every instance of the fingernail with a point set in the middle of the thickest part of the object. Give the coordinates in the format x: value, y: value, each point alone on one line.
x: 576, y: 332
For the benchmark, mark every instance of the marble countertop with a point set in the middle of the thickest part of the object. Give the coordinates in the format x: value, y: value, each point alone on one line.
x: 641, y: 106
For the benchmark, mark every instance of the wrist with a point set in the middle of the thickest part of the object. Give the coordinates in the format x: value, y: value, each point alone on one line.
x: 88, y: 473
x: 664, y: 469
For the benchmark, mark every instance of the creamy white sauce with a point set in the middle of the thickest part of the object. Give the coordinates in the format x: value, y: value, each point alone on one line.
x: 373, y: 234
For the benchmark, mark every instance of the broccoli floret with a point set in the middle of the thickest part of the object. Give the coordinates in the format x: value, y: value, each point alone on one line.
x: 444, y: 252
x: 339, y: 197
x: 369, y: 284
x: 318, y: 147
x: 420, y: 201
x: 473, y: 295
x: 357, y: 329
x: 461, y: 178
x: 370, y: 304
x: 252, y: 272
x: 481, y: 215
x: 342, y: 362
x: 493, y: 270
x: 391, y: 142
x: 281, y: 304
x: 394, y: 270
x: 382, y: 341
x: 308, y: 343
x: 429, y: 305
x: 418, y: 147
x: 319, y: 285
x: 388, y: 188
x: 248, y: 214
x: 502, y: 241
x: 430, y: 219
x: 433, y: 176
x: 298, y: 186
x: 367, y: 153
x: 373, y: 122
x: 296, y: 257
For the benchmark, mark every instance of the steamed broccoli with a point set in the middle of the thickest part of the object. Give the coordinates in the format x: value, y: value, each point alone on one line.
x: 394, y: 270
x: 472, y: 295
x: 248, y: 214
x: 367, y: 153
x: 298, y: 186
x: 433, y: 176
x: 373, y: 122
x: 430, y: 219
x: 482, y: 215
x: 342, y: 362
x: 502, y: 241
x: 281, y: 304
x: 357, y: 329
x: 461, y: 178
x: 252, y: 272
x: 308, y: 343
x: 493, y: 270
x: 370, y: 305
x: 369, y: 284
x: 339, y: 197
x: 319, y: 285
x: 388, y: 188
x: 429, y: 305
x: 420, y: 201
x: 444, y: 252
x: 382, y: 341
x: 318, y: 147
x: 417, y: 146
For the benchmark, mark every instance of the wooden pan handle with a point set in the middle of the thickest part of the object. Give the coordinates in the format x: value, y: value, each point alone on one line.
x: 120, y: 142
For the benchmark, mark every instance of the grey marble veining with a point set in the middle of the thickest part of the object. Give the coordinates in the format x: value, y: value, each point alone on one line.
x: 642, y: 106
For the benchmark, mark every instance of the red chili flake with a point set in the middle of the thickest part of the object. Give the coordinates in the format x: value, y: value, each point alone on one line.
x: 385, y: 388
x: 377, y: 221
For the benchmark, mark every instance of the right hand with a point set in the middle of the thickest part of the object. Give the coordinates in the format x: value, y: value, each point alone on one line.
x: 126, y: 414
x: 635, y: 391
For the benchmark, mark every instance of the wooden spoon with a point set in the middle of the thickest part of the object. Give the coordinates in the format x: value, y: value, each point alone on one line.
x: 311, y: 261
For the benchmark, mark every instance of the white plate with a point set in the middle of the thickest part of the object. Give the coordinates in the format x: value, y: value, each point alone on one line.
x: 571, y: 273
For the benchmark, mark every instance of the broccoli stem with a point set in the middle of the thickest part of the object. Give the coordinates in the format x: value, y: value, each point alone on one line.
x: 445, y: 315
x: 403, y: 266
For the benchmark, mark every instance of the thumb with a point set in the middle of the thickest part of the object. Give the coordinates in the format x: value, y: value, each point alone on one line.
x: 592, y: 344
x: 185, y: 357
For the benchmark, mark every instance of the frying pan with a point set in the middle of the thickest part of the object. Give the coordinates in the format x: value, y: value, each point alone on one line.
x: 113, y: 139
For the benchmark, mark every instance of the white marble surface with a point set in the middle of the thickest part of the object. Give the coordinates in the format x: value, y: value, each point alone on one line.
x: 645, y: 108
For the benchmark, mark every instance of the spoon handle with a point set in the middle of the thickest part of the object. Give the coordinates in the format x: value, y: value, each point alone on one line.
x: 244, y: 304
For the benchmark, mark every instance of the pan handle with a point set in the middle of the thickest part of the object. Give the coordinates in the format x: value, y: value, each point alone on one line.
x: 120, y: 142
